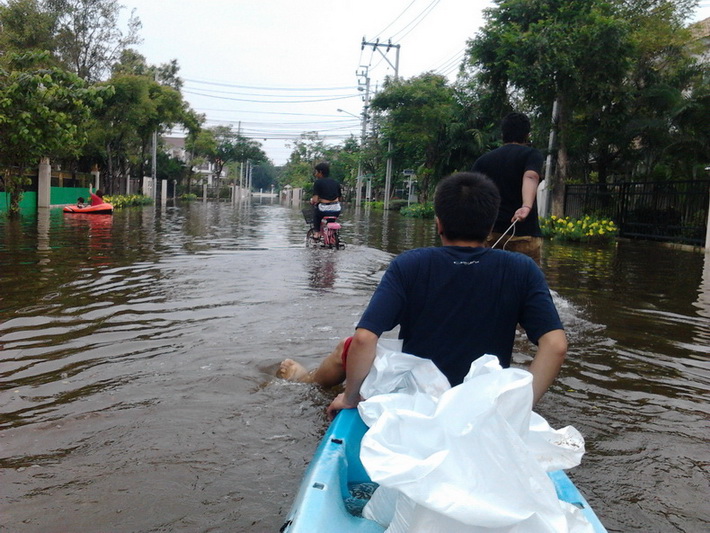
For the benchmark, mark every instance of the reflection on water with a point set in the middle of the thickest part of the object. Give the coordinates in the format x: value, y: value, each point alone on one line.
x: 137, y: 353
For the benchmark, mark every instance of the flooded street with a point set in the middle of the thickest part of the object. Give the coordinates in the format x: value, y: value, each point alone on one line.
x: 137, y: 355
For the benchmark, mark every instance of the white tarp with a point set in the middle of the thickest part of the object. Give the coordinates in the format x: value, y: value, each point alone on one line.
x: 469, y: 459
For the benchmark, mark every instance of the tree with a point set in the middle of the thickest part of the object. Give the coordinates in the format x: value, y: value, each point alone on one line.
x: 568, y: 51
x: 307, y: 150
x: 122, y: 132
x: 24, y: 27
x: 43, y: 112
x: 88, y: 38
x: 619, y: 71
x: 420, y: 113
x: 199, y: 147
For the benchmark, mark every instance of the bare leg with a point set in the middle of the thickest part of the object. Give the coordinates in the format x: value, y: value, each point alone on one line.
x: 330, y: 373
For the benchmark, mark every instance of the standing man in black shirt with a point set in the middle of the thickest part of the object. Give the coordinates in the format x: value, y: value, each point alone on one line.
x: 516, y: 169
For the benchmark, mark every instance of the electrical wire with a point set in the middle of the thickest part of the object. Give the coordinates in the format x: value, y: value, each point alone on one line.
x: 331, y: 99
x: 427, y: 10
x: 262, y: 88
x: 378, y: 34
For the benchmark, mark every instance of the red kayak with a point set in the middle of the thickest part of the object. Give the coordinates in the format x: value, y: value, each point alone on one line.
x: 98, y: 209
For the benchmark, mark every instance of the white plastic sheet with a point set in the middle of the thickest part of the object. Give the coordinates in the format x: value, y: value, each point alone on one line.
x: 469, y: 459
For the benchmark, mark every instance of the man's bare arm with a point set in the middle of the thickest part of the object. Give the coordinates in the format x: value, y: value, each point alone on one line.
x: 360, y: 358
x: 531, y: 180
x: 551, y: 353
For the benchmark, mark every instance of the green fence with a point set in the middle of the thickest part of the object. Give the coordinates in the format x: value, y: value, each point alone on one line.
x: 67, y: 195
x: 65, y: 188
x: 28, y: 204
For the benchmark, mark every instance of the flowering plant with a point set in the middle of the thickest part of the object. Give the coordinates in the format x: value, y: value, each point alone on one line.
x: 585, y: 229
x: 121, y: 200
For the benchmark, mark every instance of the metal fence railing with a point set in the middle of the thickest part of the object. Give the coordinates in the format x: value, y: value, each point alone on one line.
x: 675, y: 211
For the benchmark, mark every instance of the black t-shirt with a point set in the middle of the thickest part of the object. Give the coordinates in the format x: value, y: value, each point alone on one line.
x: 506, y: 166
x: 327, y: 189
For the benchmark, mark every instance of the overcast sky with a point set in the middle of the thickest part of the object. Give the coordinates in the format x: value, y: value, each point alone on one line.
x: 276, y: 68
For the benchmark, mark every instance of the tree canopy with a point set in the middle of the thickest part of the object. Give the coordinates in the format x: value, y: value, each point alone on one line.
x: 43, y: 113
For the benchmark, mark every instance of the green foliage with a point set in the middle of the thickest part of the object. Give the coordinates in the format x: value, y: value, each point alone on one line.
x: 43, y: 113
x: 88, y: 38
x: 25, y: 27
x: 419, y: 115
x: 188, y: 197
x: 628, y: 88
x: 120, y: 201
x: 425, y: 210
x: 122, y: 132
x: 585, y: 229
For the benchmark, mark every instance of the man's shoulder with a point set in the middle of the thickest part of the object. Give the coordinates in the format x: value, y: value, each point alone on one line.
x: 416, y: 253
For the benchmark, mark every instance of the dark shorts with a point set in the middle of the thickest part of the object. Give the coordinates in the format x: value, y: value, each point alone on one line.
x: 346, y: 347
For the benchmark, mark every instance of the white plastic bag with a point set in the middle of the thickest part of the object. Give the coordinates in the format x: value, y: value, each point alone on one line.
x: 466, y: 459
x: 394, y: 371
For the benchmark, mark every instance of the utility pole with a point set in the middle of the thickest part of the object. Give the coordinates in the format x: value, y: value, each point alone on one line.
x: 546, y: 191
x: 363, y: 133
x: 154, y: 166
x: 376, y: 46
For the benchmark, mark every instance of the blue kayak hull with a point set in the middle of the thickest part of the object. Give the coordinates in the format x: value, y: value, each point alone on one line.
x: 320, y: 504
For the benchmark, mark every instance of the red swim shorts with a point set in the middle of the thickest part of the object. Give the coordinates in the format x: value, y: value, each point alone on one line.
x: 346, y: 347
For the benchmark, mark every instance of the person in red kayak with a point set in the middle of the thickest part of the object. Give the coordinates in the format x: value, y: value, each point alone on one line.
x: 97, y: 198
x: 453, y: 303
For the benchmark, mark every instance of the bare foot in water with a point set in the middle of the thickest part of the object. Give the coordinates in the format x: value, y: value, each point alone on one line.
x: 293, y: 371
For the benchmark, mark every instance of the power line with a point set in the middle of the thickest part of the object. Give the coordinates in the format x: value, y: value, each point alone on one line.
x: 416, y: 22
x: 262, y: 88
x: 334, y: 98
x: 237, y: 93
x: 378, y: 34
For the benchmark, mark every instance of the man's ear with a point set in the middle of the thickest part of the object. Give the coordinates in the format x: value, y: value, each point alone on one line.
x: 439, y: 227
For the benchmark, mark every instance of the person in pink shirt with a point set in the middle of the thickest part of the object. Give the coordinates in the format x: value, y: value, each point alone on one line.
x: 97, y: 198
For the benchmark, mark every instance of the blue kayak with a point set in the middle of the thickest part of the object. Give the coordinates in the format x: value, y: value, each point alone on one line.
x: 336, y: 486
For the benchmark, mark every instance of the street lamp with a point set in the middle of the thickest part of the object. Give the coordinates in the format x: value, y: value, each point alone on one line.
x: 358, y: 183
x: 348, y: 113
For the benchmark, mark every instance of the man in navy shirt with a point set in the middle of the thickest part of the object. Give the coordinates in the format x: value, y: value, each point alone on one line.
x: 453, y: 303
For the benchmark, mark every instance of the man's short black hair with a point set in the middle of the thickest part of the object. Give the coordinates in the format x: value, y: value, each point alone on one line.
x: 466, y: 204
x: 323, y: 168
x: 515, y: 128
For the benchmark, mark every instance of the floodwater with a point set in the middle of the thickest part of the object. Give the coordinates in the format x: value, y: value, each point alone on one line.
x: 137, y: 355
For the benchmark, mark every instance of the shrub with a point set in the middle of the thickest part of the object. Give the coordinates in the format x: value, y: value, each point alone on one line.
x: 395, y: 204
x: 585, y: 229
x: 188, y: 197
x: 121, y: 200
x: 419, y: 210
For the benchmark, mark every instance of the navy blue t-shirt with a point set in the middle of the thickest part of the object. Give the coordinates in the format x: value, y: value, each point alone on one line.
x: 454, y: 304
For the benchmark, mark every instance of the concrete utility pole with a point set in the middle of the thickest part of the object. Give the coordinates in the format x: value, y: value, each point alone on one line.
x: 154, y: 166
x: 544, y: 191
x: 365, y: 117
x: 376, y: 46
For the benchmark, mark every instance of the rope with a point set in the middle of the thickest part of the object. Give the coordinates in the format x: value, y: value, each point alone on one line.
x: 512, y: 226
